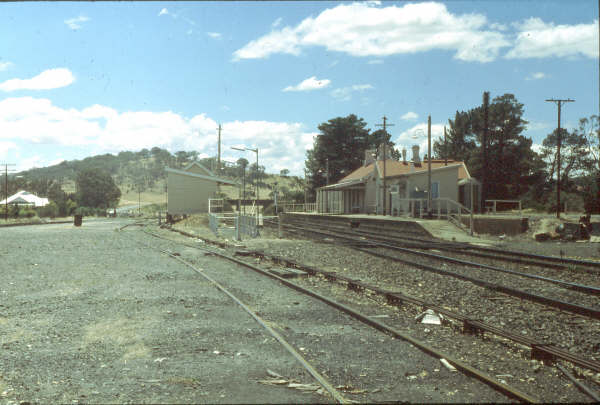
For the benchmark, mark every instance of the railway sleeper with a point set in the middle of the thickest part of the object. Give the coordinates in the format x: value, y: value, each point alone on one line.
x: 540, y: 351
x: 394, y: 299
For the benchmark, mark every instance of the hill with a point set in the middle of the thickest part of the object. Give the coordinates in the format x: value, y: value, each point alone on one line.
x: 141, y: 176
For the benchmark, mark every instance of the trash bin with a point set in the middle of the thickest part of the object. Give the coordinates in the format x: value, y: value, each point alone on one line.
x: 78, y: 220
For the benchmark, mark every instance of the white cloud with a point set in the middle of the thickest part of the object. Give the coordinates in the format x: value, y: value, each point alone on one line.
x: 538, y: 126
x: 417, y: 135
x: 102, y: 129
x: 48, y: 79
x: 163, y: 12
x: 375, y: 62
x: 345, y: 93
x: 5, y: 65
x: 277, y: 22
x: 538, y: 39
x: 409, y: 116
x: 215, y: 35
x: 536, y: 76
x: 536, y: 147
x: 75, y: 23
x: 361, y: 30
x: 312, y: 83
x: 5, y: 146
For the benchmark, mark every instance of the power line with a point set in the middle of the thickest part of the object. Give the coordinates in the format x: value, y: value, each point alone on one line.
x: 558, y: 140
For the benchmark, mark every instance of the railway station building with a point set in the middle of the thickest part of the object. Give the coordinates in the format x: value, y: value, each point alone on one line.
x: 362, y: 191
x: 189, y: 189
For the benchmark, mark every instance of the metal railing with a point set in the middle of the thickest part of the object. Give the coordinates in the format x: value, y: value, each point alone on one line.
x: 223, y: 224
x: 491, y: 208
x: 293, y: 207
x: 246, y: 225
x: 440, y: 208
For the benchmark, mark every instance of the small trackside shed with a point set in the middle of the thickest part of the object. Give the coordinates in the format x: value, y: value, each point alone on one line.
x: 189, y: 189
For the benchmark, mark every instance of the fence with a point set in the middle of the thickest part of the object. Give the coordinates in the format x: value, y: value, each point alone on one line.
x: 292, y: 207
x: 232, y: 225
x: 440, y: 208
x: 491, y: 205
x: 223, y: 224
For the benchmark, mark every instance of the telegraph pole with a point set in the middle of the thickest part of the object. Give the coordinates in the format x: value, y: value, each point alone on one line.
x: 558, y: 140
x: 484, y: 142
x: 445, y: 148
x: 385, y: 124
x: 219, y: 160
x: 219, y: 153
x: 6, y: 189
x: 429, y: 166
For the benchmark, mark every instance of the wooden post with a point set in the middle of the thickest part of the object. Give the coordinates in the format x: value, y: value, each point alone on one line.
x: 471, y: 220
x: 279, y: 230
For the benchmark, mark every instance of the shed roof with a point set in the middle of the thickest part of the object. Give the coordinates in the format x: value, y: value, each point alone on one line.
x: 201, y: 176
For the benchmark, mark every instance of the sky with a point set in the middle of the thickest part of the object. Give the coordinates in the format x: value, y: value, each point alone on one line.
x: 79, y: 79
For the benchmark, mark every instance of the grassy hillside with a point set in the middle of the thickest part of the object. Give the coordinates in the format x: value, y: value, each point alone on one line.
x: 141, y: 176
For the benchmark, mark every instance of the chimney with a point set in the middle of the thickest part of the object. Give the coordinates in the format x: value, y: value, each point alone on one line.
x: 404, y: 155
x: 415, y: 157
x: 369, y: 157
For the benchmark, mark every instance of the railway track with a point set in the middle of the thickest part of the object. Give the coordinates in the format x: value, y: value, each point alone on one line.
x: 539, y: 349
x: 367, y: 246
x: 394, y: 236
x: 509, y: 391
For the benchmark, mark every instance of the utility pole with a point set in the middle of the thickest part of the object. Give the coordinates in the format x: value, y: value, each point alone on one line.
x: 6, y: 189
x: 219, y: 160
x: 445, y: 148
x: 558, y: 140
x: 484, y: 142
x: 219, y: 153
x: 385, y: 124
x: 429, y: 166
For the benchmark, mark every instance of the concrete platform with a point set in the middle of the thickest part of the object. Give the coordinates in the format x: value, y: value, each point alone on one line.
x: 438, y: 228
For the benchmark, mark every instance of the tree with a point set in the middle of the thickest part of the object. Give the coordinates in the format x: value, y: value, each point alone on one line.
x: 573, y: 155
x: 590, y: 129
x: 512, y: 166
x: 284, y: 172
x: 338, y: 149
x: 96, y: 188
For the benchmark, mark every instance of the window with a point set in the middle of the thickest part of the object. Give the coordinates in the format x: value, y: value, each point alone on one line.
x: 435, y: 189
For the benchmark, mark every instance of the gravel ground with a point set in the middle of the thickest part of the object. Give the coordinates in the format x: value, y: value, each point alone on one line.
x: 491, y: 354
x: 90, y: 315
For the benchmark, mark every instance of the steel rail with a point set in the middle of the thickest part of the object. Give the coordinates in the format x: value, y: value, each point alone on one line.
x: 554, y: 259
x: 563, y: 305
x: 582, y: 387
x: 572, y: 286
x: 539, y: 350
x: 465, y: 368
x: 307, y: 366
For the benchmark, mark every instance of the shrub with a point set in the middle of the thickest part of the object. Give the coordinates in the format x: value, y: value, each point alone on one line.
x: 50, y: 210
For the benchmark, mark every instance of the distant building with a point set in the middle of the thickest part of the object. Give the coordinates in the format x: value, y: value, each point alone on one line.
x: 25, y: 198
x: 189, y: 189
x: 362, y: 190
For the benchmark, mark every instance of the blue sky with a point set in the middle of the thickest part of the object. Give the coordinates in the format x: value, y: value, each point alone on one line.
x: 84, y: 78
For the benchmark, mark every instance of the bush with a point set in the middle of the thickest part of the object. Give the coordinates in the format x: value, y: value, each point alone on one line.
x: 50, y: 210
x: 26, y: 213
